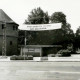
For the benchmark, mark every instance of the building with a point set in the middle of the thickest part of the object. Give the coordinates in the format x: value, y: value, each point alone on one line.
x: 8, y: 35
x: 39, y: 43
x: 38, y: 50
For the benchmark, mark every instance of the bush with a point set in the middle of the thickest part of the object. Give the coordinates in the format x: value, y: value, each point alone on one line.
x: 66, y: 54
x: 14, y: 57
x: 58, y: 55
x: 63, y: 53
x: 30, y: 57
x: 19, y: 58
x: 51, y: 55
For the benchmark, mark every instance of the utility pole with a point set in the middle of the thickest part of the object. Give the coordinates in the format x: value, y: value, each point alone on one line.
x: 4, y: 39
x: 25, y: 44
x: 25, y: 38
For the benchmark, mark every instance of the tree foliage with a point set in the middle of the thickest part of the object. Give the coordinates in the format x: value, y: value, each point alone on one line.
x: 77, y: 39
x: 63, y: 36
x: 38, y: 16
x: 66, y: 34
x: 78, y: 31
x: 58, y: 17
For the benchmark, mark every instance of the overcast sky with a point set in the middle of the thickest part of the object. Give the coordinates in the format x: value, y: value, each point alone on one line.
x: 18, y: 10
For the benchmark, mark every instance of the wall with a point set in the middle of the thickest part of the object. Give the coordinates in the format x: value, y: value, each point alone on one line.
x: 36, y: 52
x: 11, y: 39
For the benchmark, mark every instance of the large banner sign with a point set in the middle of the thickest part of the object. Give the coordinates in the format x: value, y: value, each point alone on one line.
x: 40, y: 27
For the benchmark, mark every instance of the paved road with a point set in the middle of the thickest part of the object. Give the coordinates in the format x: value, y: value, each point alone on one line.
x: 39, y: 70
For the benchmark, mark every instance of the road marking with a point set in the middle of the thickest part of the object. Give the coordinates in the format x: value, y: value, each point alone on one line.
x: 64, y: 72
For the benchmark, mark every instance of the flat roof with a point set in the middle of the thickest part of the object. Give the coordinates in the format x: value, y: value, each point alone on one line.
x: 40, y: 46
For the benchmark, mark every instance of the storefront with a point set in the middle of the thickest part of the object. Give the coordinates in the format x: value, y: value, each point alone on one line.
x: 37, y: 50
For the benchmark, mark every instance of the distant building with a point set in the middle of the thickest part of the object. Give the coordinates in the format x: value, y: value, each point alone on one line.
x: 11, y: 34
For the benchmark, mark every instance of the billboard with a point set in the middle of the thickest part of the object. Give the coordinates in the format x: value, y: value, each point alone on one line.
x: 39, y: 27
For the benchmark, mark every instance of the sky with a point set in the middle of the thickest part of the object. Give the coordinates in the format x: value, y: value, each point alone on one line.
x: 19, y: 10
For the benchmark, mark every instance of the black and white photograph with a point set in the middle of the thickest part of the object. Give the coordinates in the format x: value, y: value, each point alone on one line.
x: 39, y: 39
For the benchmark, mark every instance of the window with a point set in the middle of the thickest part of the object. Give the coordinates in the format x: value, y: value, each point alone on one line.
x: 2, y: 26
x: 15, y: 27
x: 10, y: 42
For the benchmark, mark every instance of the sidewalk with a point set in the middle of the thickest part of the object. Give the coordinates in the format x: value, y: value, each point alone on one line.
x: 73, y: 58
x: 64, y: 59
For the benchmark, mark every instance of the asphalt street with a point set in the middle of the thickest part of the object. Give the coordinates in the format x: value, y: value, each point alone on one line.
x: 22, y: 70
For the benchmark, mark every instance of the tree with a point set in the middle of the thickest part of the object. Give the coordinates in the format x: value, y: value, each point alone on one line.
x: 67, y: 29
x: 66, y: 33
x: 78, y: 31
x: 77, y: 39
x: 38, y: 16
x: 58, y: 17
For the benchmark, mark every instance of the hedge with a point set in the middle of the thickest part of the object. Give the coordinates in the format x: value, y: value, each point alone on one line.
x: 21, y: 57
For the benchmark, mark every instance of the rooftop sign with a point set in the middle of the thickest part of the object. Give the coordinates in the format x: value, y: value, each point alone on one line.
x: 40, y: 27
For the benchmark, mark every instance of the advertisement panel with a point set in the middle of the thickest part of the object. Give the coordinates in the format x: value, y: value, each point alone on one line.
x: 40, y: 27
